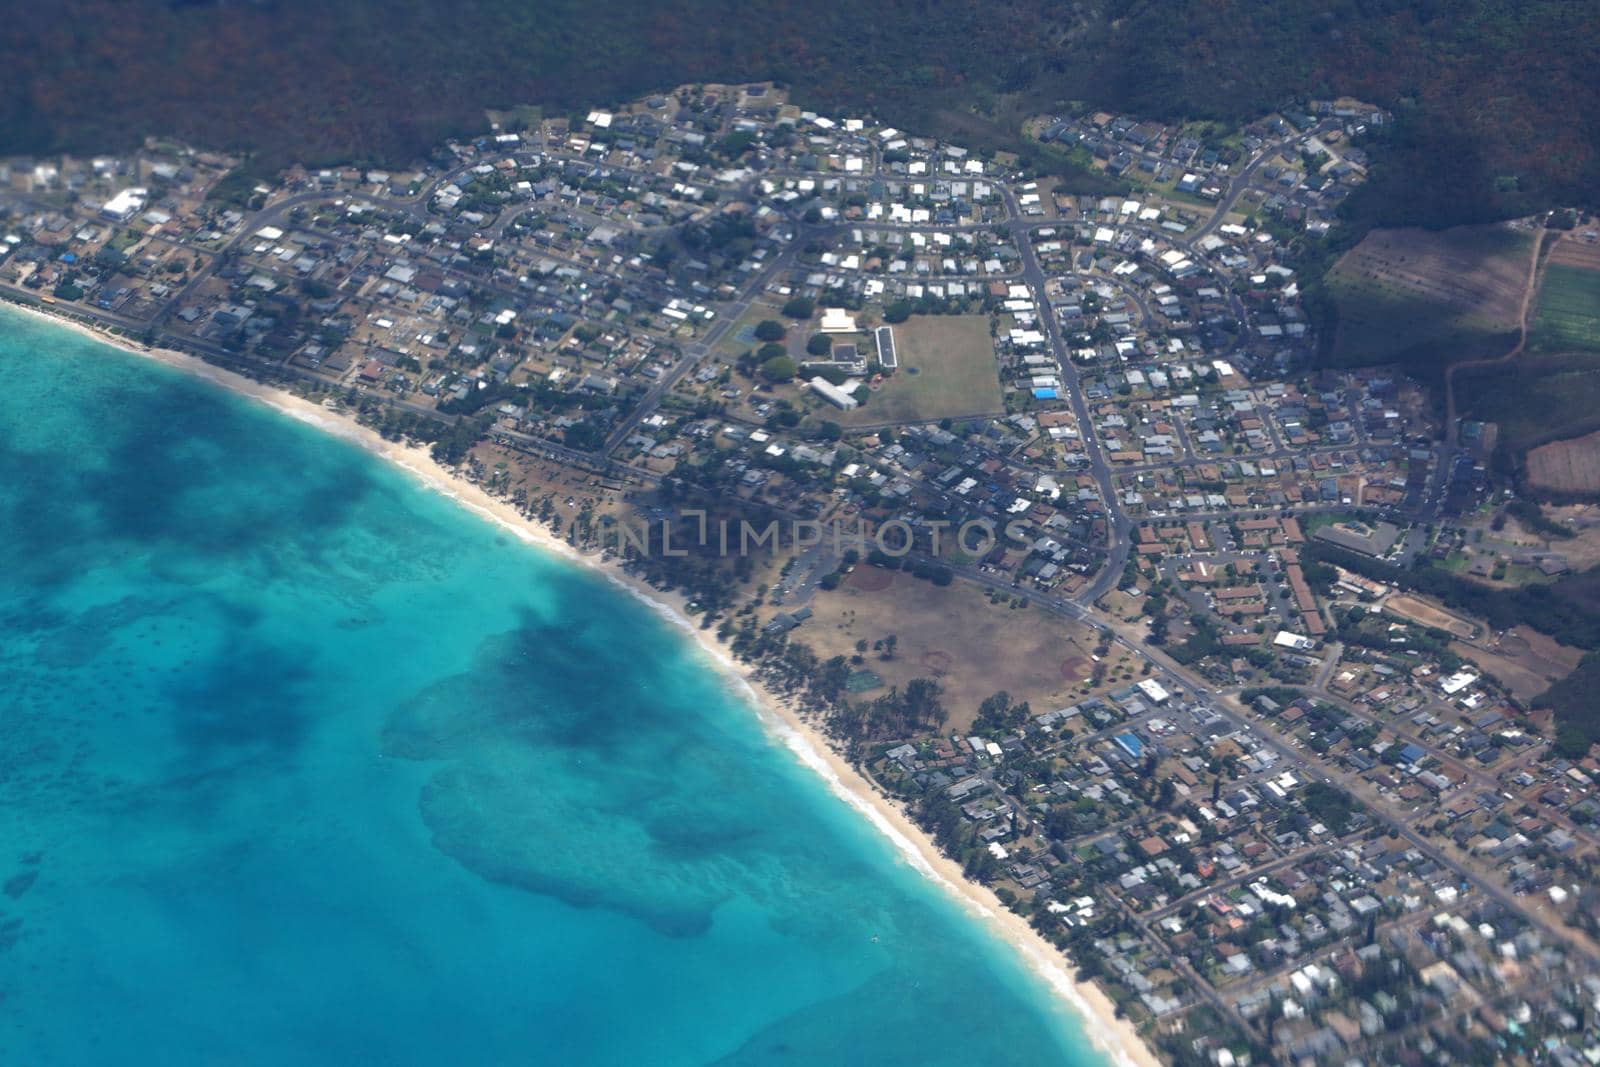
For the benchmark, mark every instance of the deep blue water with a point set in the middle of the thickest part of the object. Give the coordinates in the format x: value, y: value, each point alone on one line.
x: 302, y: 764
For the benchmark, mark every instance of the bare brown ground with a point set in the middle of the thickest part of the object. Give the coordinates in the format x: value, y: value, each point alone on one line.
x: 955, y: 634
x: 1441, y: 267
x: 1571, y: 466
x: 1575, y: 251
x: 871, y: 579
x: 1420, y: 611
x: 1527, y: 287
x: 1582, y: 551
x: 1525, y: 661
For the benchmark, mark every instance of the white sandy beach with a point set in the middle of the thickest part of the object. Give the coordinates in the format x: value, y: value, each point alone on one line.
x: 1097, y: 1018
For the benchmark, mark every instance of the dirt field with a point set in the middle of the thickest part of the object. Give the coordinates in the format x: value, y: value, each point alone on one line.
x: 1582, y: 551
x: 1575, y: 250
x: 955, y: 634
x: 1478, y: 268
x: 1567, y: 466
x: 1420, y: 611
x: 1400, y: 290
x: 1524, y: 660
x: 947, y: 369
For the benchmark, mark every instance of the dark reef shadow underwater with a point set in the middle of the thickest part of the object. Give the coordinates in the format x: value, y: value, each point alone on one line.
x: 301, y: 764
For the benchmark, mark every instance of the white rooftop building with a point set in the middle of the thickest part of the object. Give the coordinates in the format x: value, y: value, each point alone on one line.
x: 125, y: 205
x: 1153, y: 690
x: 833, y: 394
x: 837, y: 320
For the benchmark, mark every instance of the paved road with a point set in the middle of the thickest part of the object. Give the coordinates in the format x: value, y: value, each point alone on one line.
x: 1330, y: 661
x: 1081, y: 610
x: 1119, y: 529
x: 213, y: 353
x: 1308, y: 767
x: 696, y: 353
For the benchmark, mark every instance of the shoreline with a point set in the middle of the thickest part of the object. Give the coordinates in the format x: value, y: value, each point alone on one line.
x: 1095, y: 1014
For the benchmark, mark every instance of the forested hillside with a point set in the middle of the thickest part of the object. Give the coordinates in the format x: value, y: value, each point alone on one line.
x: 1499, y: 109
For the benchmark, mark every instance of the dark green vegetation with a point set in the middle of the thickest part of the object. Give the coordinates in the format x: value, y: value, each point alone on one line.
x: 1552, y: 392
x: 1197, y: 646
x: 1330, y: 805
x: 927, y: 570
x: 1568, y: 611
x: 1535, y: 400
x: 778, y: 369
x: 1424, y: 300
x: 1532, y: 517
x: 1572, y: 699
x: 1498, y: 112
x: 1568, y: 314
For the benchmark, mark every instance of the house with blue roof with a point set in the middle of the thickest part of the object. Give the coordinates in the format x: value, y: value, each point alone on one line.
x: 1131, y: 744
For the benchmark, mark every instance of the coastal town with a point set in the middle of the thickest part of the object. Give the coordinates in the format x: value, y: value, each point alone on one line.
x: 1179, y: 705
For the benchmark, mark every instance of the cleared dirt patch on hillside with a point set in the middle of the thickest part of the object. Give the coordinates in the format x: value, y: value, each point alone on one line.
x: 1428, y: 298
x: 1567, y: 466
x: 1583, y: 549
x: 1576, y: 251
x: 1524, y: 660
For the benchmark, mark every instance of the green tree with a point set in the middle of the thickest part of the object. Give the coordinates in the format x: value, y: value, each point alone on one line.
x: 778, y: 369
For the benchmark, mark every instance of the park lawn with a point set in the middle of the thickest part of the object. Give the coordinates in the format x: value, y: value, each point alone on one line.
x: 1568, y: 315
x: 947, y: 370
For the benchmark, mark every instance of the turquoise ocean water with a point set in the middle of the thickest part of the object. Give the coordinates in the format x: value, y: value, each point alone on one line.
x: 302, y: 764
